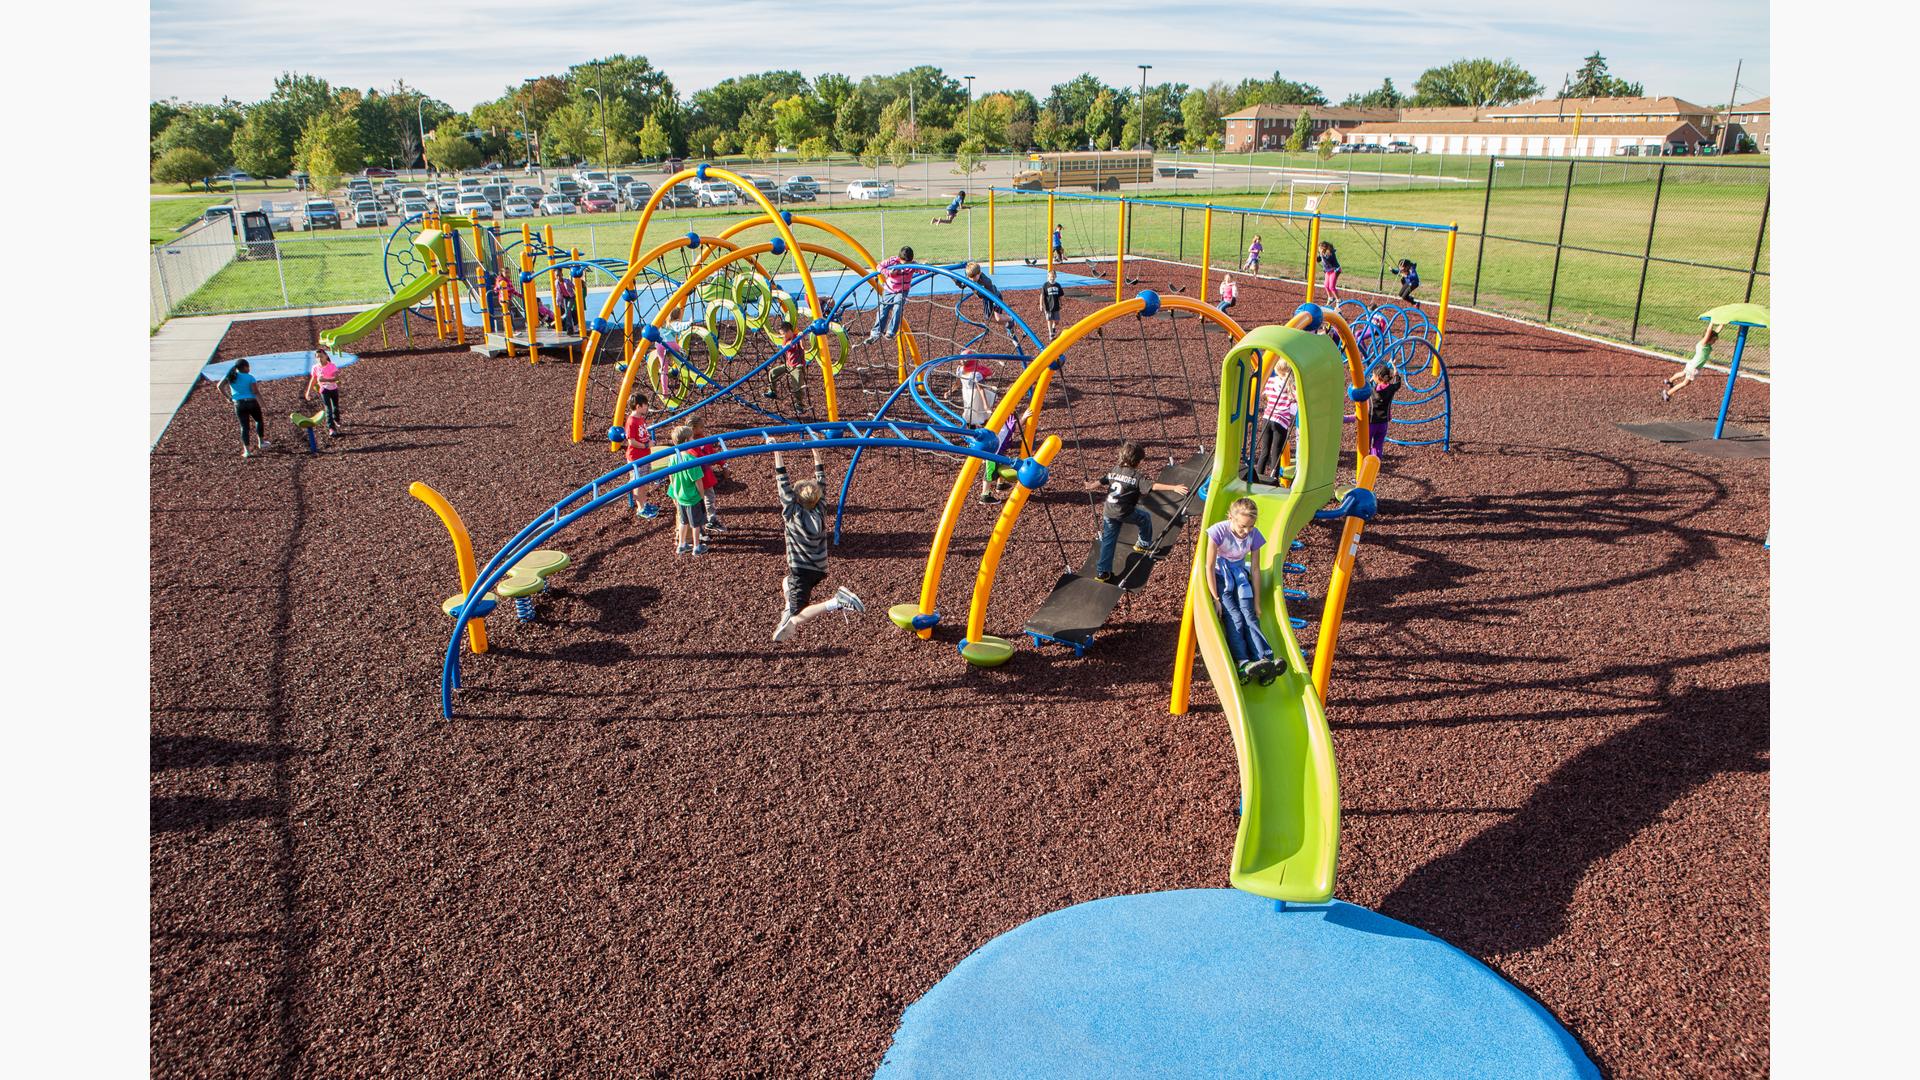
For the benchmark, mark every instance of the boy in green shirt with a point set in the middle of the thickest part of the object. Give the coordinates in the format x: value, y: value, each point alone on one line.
x: 684, y: 488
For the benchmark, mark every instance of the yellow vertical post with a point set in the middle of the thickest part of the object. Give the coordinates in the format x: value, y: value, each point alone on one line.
x: 997, y: 544
x: 1446, y: 294
x: 991, y: 260
x: 1183, y: 649
x: 1337, y: 585
x: 462, y: 554
x: 454, y: 309
x: 1313, y: 254
x: 1206, y: 251
x: 530, y: 294
x: 1049, y: 234
x: 1120, y: 256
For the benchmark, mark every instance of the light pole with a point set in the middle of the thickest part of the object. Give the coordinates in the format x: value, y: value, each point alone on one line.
x: 1144, y: 68
x: 606, y: 155
x: 420, y: 115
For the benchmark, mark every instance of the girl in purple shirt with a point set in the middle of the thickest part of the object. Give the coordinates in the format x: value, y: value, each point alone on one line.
x: 1235, y: 584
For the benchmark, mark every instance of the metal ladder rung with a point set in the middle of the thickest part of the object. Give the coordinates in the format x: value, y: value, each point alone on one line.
x: 1293, y: 568
x: 1295, y: 594
x: 1297, y: 624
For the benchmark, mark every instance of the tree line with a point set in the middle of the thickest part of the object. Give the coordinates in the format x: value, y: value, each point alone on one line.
x: 622, y: 108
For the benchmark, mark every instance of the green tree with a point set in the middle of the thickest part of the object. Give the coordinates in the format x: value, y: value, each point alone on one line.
x: 1199, y: 113
x: 160, y: 114
x: 1069, y: 103
x: 206, y: 128
x: 1593, y: 80
x: 854, y: 123
x: 183, y: 165
x: 814, y: 149
x: 1325, y: 149
x: 448, y: 148
x: 1276, y: 91
x: 653, y: 141
x: 328, y: 149
x: 1386, y: 97
x: 1477, y: 83
x: 1101, y: 115
x: 795, y: 119
x: 257, y: 147
x: 1048, y: 133
x: 1302, y: 131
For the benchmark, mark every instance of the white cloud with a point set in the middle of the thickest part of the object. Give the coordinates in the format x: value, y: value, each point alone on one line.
x: 469, y: 52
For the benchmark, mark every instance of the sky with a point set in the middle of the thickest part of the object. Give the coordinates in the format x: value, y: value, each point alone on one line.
x: 470, y: 52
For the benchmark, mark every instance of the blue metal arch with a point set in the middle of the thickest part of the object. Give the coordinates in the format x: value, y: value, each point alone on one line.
x: 858, y: 434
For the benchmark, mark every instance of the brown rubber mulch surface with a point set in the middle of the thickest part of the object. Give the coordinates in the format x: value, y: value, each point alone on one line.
x: 653, y: 843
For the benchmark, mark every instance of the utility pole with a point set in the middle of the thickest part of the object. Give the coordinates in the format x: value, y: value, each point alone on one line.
x: 1726, y: 119
x: 1144, y: 68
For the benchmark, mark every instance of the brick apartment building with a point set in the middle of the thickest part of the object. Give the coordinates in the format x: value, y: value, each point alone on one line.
x: 1558, y: 127
x: 1268, y: 127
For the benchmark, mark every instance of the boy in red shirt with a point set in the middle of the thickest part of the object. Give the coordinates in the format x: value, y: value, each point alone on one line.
x: 639, y: 444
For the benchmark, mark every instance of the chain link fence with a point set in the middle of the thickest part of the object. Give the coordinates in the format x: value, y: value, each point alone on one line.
x: 180, y: 268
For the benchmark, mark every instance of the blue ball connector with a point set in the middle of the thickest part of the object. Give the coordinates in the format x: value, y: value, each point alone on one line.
x: 1031, y: 473
x: 1315, y: 315
x: 1151, y: 302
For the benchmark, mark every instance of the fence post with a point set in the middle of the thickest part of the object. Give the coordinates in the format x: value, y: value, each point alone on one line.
x: 993, y: 234
x: 1480, y: 252
x: 1646, y: 256
x: 1566, y: 198
x: 1759, y: 241
x: 282, y: 271
x: 1182, y: 256
x: 160, y: 275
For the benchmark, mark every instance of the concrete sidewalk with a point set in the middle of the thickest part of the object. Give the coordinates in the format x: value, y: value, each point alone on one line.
x: 181, y: 347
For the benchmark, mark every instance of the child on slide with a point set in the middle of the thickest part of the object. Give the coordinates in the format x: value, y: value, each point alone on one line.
x: 805, y: 515
x: 1234, y: 581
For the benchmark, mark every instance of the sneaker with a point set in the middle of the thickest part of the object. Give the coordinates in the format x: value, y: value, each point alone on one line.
x: 700, y: 548
x: 1144, y: 547
x: 1104, y: 577
x: 264, y: 444
x: 715, y: 524
x: 244, y: 452
x: 785, y: 629
x: 649, y: 511
x: 1246, y: 672
x: 1268, y: 670
x: 987, y: 497
x: 1666, y: 394
x: 768, y: 394
x: 845, y: 598
x: 682, y: 549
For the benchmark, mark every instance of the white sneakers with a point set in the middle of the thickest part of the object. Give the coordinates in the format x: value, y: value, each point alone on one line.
x: 785, y: 629
x: 845, y: 598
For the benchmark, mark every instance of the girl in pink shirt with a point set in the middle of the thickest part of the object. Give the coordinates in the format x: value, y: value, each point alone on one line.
x: 326, y: 379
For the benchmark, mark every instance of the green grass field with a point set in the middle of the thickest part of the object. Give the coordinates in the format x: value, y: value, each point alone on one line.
x: 1705, y: 224
x: 169, y: 215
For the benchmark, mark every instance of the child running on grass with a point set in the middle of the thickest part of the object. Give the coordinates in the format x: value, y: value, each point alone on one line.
x: 709, y: 476
x: 801, y: 507
x: 1229, y: 293
x: 1674, y: 383
x: 639, y: 443
x: 1330, y: 271
x: 239, y: 388
x: 1234, y: 581
x: 1409, y: 276
x: 953, y: 209
x: 326, y: 379
x: 1125, y: 484
x: 1050, y: 295
x: 684, y: 488
x: 1386, y: 383
x: 1254, y: 250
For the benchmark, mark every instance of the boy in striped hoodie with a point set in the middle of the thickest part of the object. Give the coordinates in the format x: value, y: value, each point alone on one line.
x: 801, y: 505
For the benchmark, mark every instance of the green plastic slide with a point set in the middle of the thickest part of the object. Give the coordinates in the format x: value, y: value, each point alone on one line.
x: 364, y: 323
x: 1289, y: 839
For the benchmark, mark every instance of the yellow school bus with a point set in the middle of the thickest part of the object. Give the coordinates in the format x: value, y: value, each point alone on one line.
x: 1102, y: 170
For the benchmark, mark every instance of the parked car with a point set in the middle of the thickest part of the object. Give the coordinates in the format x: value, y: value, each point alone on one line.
x: 530, y: 191
x: 368, y: 213
x: 414, y: 207
x: 279, y: 215
x: 233, y: 176
x: 1399, y: 146
x: 638, y: 192
x: 803, y: 182
x: 557, y: 203
x: 621, y: 180
x: 471, y: 183
x: 517, y: 206
x: 495, y: 194
x: 492, y: 166
x: 474, y: 205
x: 569, y: 187
x: 682, y: 194
x: 589, y: 177
x: 321, y: 214
x: 598, y: 202
x: 375, y: 170
x: 870, y: 189
x: 219, y: 213
x: 767, y: 186
x: 413, y: 194
x: 716, y: 193
x: 448, y: 200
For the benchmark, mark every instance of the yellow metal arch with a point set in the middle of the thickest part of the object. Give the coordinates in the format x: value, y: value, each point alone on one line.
x: 1034, y: 380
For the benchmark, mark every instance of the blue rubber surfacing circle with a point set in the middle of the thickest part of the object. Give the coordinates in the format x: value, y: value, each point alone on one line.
x: 1215, y: 982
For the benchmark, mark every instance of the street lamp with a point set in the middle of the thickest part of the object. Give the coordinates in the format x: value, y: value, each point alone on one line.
x: 420, y: 114
x: 1144, y: 68
x: 606, y: 155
